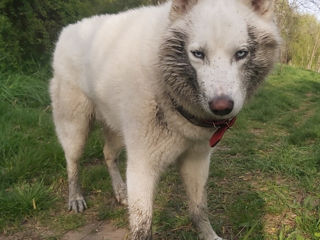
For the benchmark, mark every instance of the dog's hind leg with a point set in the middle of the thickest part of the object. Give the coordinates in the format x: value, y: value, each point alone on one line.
x: 72, y: 112
x: 112, y: 147
x: 194, y: 169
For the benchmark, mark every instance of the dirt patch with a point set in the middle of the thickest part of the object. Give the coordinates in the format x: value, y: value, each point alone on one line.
x: 97, y: 231
x: 93, y: 231
x: 273, y: 223
x: 257, y: 131
x: 27, y: 235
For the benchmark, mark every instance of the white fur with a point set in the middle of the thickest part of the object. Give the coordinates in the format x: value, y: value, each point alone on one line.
x: 106, y: 66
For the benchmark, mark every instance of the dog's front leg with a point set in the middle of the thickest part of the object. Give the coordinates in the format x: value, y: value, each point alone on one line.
x: 194, y: 169
x: 141, y: 180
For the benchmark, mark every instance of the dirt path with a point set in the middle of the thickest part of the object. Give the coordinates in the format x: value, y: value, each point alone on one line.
x: 93, y: 231
x: 97, y: 231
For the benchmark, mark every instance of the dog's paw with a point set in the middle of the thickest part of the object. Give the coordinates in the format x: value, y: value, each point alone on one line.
x: 77, y: 205
x: 121, y: 194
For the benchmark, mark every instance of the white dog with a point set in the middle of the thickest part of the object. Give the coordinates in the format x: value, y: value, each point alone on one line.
x: 162, y: 80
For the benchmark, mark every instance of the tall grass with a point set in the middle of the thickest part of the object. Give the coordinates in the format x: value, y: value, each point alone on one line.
x: 30, y: 157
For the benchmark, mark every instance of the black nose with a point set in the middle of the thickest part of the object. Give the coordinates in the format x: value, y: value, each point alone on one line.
x: 221, y: 105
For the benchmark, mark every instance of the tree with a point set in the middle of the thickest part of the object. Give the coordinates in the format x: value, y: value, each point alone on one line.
x: 29, y: 29
x: 300, y: 33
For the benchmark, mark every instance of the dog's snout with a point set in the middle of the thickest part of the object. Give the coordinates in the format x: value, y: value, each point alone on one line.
x: 221, y: 105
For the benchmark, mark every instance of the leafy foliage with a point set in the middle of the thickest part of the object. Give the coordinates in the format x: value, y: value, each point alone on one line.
x: 301, y: 36
x: 29, y: 29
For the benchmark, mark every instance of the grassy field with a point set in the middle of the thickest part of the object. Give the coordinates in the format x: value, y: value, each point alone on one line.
x: 264, y: 178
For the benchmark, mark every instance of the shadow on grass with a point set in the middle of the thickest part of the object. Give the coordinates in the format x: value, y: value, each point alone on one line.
x: 171, y: 218
x: 235, y: 209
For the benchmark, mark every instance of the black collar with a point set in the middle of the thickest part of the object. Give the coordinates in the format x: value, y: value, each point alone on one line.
x: 200, y: 122
x: 197, y: 121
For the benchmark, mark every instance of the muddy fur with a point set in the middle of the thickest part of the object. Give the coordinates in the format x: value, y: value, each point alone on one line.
x: 262, y: 58
x: 179, y: 76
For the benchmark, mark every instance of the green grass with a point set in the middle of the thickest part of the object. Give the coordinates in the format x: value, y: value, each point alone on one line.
x: 264, y: 178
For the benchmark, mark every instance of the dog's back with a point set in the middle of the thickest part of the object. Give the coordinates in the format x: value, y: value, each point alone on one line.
x: 106, y: 54
x: 112, y: 40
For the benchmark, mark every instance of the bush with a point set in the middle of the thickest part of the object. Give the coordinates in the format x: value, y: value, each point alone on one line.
x: 9, y: 45
x: 29, y: 29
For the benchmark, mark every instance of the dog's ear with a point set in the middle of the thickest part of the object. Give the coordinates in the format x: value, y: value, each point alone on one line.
x: 180, y: 7
x: 263, y: 8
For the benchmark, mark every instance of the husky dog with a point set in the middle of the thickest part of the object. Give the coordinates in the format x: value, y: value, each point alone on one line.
x: 161, y: 79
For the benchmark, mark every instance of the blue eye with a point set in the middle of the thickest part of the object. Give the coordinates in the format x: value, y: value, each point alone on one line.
x: 241, y: 54
x: 198, y: 54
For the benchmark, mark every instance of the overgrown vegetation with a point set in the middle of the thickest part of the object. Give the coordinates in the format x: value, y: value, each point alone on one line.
x: 300, y: 33
x: 264, y: 177
x: 29, y: 29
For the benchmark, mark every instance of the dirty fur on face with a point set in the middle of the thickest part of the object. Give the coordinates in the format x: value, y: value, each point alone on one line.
x: 263, y: 53
x: 180, y: 78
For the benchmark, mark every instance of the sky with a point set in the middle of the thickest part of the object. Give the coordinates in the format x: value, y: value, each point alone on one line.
x: 314, y: 12
x: 313, y: 9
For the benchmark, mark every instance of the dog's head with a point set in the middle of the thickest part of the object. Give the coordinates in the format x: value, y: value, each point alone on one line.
x: 216, y: 53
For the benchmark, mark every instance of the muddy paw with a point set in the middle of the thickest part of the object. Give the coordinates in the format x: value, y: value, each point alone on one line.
x: 121, y: 195
x: 77, y: 205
